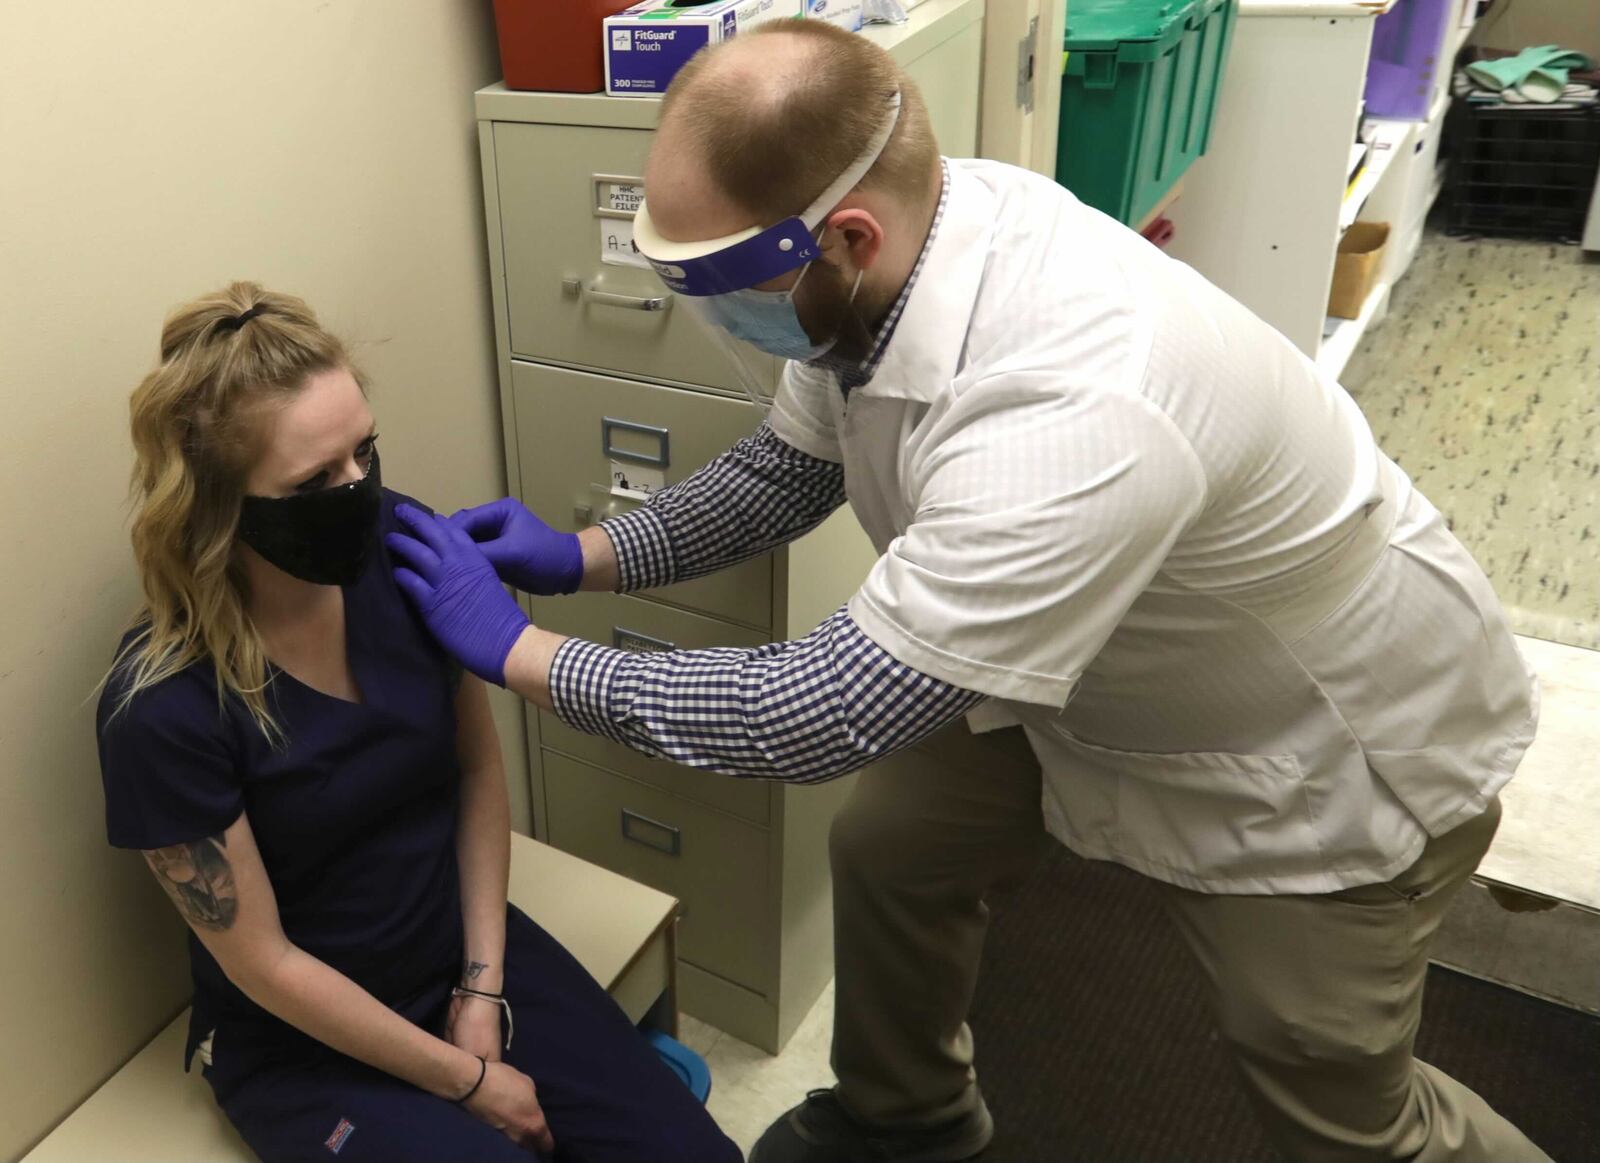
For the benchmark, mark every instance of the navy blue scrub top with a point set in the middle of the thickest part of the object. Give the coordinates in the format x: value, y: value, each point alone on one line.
x: 355, y: 814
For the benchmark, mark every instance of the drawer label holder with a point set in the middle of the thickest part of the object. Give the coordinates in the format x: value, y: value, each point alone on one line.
x: 660, y: 457
x: 651, y: 833
x: 616, y: 199
x: 636, y: 643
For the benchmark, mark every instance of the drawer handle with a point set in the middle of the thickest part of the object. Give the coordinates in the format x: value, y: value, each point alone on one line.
x: 636, y: 643
x: 659, y: 458
x: 574, y: 289
x: 651, y: 833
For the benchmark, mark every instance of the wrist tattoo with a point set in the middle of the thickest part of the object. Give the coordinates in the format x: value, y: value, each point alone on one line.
x: 474, y: 970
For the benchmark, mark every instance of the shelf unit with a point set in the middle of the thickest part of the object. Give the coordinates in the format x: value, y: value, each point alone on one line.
x: 1339, y: 342
x: 1378, y: 195
x: 1389, y: 141
x: 1264, y: 210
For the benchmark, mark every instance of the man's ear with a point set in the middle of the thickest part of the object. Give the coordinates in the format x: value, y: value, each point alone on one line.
x: 855, y: 233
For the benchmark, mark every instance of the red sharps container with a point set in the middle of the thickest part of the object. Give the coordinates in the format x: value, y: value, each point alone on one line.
x: 553, y: 44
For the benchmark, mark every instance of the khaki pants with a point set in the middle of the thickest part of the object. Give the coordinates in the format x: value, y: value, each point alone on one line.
x: 1318, y: 997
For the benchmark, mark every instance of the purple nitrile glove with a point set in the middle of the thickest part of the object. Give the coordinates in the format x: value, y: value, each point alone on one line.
x: 455, y: 589
x: 524, y: 551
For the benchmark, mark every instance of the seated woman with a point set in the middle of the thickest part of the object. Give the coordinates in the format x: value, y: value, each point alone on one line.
x: 321, y: 794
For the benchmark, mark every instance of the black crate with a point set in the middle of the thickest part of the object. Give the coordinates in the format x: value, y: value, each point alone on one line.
x: 1520, y: 171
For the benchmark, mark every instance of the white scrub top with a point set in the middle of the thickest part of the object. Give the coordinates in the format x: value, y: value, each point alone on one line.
x: 1249, y: 654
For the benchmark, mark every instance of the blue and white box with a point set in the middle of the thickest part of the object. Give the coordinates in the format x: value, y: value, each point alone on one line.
x: 647, y: 44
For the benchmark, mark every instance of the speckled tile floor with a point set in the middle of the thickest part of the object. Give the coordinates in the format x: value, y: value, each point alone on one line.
x: 1484, y: 383
x: 749, y: 1087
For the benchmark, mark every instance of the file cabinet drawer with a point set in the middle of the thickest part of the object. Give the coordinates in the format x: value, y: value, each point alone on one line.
x: 634, y: 625
x: 572, y: 426
x: 714, y: 864
x: 566, y: 302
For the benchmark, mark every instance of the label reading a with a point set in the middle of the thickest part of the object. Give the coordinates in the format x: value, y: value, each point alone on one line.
x: 616, y: 243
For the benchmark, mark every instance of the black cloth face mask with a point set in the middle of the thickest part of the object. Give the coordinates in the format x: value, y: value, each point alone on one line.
x: 323, y: 537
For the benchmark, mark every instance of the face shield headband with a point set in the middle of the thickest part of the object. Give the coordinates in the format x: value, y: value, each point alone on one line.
x: 734, y: 262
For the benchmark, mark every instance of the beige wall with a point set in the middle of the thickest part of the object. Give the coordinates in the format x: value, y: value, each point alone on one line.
x: 1520, y: 23
x: 150, y: 151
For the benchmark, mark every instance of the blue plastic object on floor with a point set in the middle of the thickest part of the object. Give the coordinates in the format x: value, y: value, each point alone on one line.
x: 685, y: 1063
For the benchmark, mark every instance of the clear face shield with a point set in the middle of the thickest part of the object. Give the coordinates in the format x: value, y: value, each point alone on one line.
x: 718, y: 278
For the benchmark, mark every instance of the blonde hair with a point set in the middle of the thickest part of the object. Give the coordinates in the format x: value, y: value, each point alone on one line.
x: 773, y: 150
x: 196, y: 432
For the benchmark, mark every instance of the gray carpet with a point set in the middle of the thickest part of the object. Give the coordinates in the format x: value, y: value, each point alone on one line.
x: 1095, y: 1042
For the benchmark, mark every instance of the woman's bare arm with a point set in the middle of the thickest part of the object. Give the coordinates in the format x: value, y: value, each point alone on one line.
x: 220, y: 887
x: 483, y: 842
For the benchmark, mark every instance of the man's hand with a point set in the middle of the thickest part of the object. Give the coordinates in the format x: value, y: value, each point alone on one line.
x: 455, y: 589
x: 524, y: 551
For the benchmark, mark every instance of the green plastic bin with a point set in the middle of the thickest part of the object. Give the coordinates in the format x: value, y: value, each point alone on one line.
x: 1138, y: 93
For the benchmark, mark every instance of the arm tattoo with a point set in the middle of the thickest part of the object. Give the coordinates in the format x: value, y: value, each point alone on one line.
x: 473, y: 970
x: 199, y: 879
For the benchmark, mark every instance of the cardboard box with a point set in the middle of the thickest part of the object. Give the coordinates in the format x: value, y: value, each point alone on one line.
x: 647, y: 44
x: 847, y: 14
x: 1356, y: 267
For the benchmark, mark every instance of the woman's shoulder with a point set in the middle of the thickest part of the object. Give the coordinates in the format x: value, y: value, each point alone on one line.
x: 418, y: 633
x: 184, y: 700
x: 387, y: 521
x: 169, y: 763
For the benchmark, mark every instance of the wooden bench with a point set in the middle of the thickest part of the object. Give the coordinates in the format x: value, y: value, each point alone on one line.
x: 622, y: 932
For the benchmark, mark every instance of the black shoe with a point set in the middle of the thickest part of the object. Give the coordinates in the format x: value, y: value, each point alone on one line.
x: 820, y: 1130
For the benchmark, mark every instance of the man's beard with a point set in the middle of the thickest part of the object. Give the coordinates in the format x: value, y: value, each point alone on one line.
x: 826, y: 311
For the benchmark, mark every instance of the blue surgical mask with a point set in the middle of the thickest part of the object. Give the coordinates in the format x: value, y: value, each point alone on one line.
x: 767, y: 320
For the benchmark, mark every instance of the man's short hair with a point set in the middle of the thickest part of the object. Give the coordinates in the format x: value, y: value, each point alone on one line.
x: 772, y: 150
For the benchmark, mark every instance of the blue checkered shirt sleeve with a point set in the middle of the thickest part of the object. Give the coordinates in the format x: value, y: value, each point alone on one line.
x: 803, y: 711
x: 760, y: 494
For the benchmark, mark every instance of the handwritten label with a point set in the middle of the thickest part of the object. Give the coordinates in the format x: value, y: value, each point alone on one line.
x: 616, y: 243
x: 636, y: 481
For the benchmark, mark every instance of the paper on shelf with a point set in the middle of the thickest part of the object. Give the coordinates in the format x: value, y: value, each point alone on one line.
x: 1388, y: 139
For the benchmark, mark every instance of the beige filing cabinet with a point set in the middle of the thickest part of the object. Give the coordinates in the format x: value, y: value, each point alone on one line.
x: 599, y: 375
